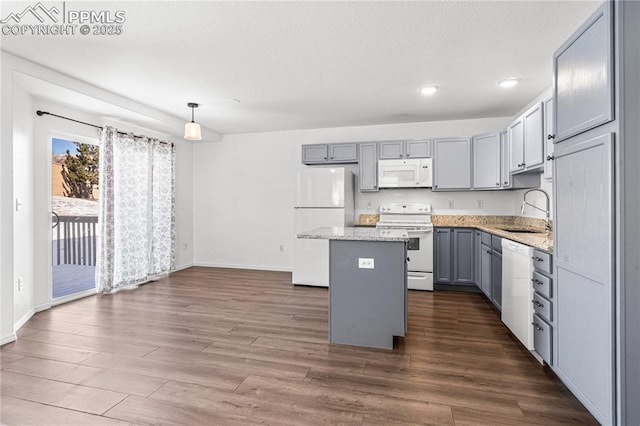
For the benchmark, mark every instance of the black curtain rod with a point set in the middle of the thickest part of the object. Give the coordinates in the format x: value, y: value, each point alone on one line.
x: 41, y: 113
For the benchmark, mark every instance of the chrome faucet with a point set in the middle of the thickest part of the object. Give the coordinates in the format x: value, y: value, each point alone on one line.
x: 547, y: 211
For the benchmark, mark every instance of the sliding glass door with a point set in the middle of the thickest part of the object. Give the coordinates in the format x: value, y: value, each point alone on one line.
x: 75, y: 230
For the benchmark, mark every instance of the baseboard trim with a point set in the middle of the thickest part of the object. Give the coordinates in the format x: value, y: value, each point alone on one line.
x: 7, y: 339
x: 180, y: 268
x: 235, y: 266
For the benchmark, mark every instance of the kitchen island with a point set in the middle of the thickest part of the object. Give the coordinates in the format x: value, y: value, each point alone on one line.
x: 367, y: 284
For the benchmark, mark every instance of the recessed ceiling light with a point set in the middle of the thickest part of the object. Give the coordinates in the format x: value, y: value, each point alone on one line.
x: 508, y: 82
x: 429, y: 90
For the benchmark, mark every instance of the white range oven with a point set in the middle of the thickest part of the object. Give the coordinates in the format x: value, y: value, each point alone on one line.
x: 415, y: 218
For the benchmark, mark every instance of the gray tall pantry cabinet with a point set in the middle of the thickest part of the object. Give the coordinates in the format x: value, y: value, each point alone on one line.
x: 596, y: 128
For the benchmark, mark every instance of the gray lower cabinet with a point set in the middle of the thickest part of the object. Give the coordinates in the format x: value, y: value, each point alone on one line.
x: 486, y: 161
x: 335, y: 153
x: 477, y: 255
x: 452, y: 164
x: 454, y: 256
x: 463, y: 256
x: 368, y: 167
x: 485, y: 279
x: 442, y: 255
x: 584, y: 270
x: 586, y: 57
x: 543, y: 305
x: 496, y: 278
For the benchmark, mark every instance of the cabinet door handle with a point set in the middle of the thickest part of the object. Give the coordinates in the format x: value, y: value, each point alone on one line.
x: 537, y: 259
x: 435, y: 186
x: 536, y: 282
x: 549, y: 137
x: 537, y: 326
x: 489, y: 251
x: 550, y: 157
x: 497, y: 183
x: 506, y: 182
x: 408, y: 259
x: 538, y: 304
x: 325, y: 158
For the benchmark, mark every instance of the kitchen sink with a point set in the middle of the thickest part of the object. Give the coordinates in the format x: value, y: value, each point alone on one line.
x: 521, y: 231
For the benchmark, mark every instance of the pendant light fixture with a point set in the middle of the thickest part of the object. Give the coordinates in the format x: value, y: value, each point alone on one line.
x: 192, y: 130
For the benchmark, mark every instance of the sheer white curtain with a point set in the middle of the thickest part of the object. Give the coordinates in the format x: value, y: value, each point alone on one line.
x: 137, y: 205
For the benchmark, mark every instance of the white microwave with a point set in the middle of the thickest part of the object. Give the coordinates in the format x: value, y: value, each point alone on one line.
x: 413, y: 173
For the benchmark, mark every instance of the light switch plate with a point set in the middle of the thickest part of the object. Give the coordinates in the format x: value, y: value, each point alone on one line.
x: 366, y: 263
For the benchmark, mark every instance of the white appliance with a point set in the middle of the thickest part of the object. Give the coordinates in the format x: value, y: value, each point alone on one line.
x: 517, y: 290
x: 323, y: 197
x: 415, y: 218
x: 413, y: 173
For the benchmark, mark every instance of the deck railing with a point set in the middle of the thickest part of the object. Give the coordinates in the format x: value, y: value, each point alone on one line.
x: 75, y: 240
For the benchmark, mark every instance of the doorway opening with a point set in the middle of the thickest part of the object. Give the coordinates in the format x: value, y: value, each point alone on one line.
x: 75, y: 217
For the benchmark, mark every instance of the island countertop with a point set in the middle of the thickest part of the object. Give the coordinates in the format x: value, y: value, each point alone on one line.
x: 355, y: 234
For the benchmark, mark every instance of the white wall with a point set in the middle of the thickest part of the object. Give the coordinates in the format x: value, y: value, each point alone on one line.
x: 25, y: 170
x: 243, y: 189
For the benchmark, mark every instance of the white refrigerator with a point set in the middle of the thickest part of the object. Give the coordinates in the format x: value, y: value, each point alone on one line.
x: 323, y: 197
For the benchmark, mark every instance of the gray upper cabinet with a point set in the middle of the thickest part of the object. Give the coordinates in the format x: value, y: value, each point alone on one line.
x: 583, y: 196
x: 486, y: 161
x: 390, y: 150
x: 442, y: 255
x: 533, y: 137
x: 343, y: 153
x: 463, y: 256
x: 505, y: 157
x: 330, y: 153
x: 583, y: 77
x: 312, y: 154
x: 368, y: 166
x: 418, y: 149
x: 547, y: 106
x: 452, y: 164
x: 515, y: 133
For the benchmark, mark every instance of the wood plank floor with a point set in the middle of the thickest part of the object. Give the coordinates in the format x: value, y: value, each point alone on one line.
x: 210, y: 346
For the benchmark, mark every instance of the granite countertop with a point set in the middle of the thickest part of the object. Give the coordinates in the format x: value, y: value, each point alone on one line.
x: 355, y: 234
x: 501, y: 226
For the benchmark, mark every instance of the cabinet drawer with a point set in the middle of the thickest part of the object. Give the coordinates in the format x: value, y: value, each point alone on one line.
x: 542, y: 307
x: 542, y: 338
x: 541, y: 284
x: 496, y: 243
x: 542, y: 261
x: 486, y: 239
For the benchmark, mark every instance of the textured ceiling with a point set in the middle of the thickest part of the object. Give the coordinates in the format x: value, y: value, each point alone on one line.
x: 299, y: 65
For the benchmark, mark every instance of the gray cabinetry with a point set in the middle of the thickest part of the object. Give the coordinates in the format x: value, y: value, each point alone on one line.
x: 390, y: 150
x: 463, y: 256
x: 583, y: 77
x: 496, y: 278
x: 584, y: 267
x: 419, y: 148
x: 485, y: 277
x: 312, y: 154
x: 442, y: 255
x: 368, y: 166
x: 533, y: 137
x: 515, y: 133
x: 330, y: 153
x: 452, y: 164
x: 547, y: 106
x: 505, y: 158
x: 477, y: 256
x: 543, y: 297
x: 486, y: 161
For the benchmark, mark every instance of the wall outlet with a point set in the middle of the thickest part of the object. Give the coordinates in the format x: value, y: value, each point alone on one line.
x: 281, y: 248
x: 451, y: 204
x: 481, y: 204
x: 365, y: 263
x: 18, y: 204
x: 19, y: 284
